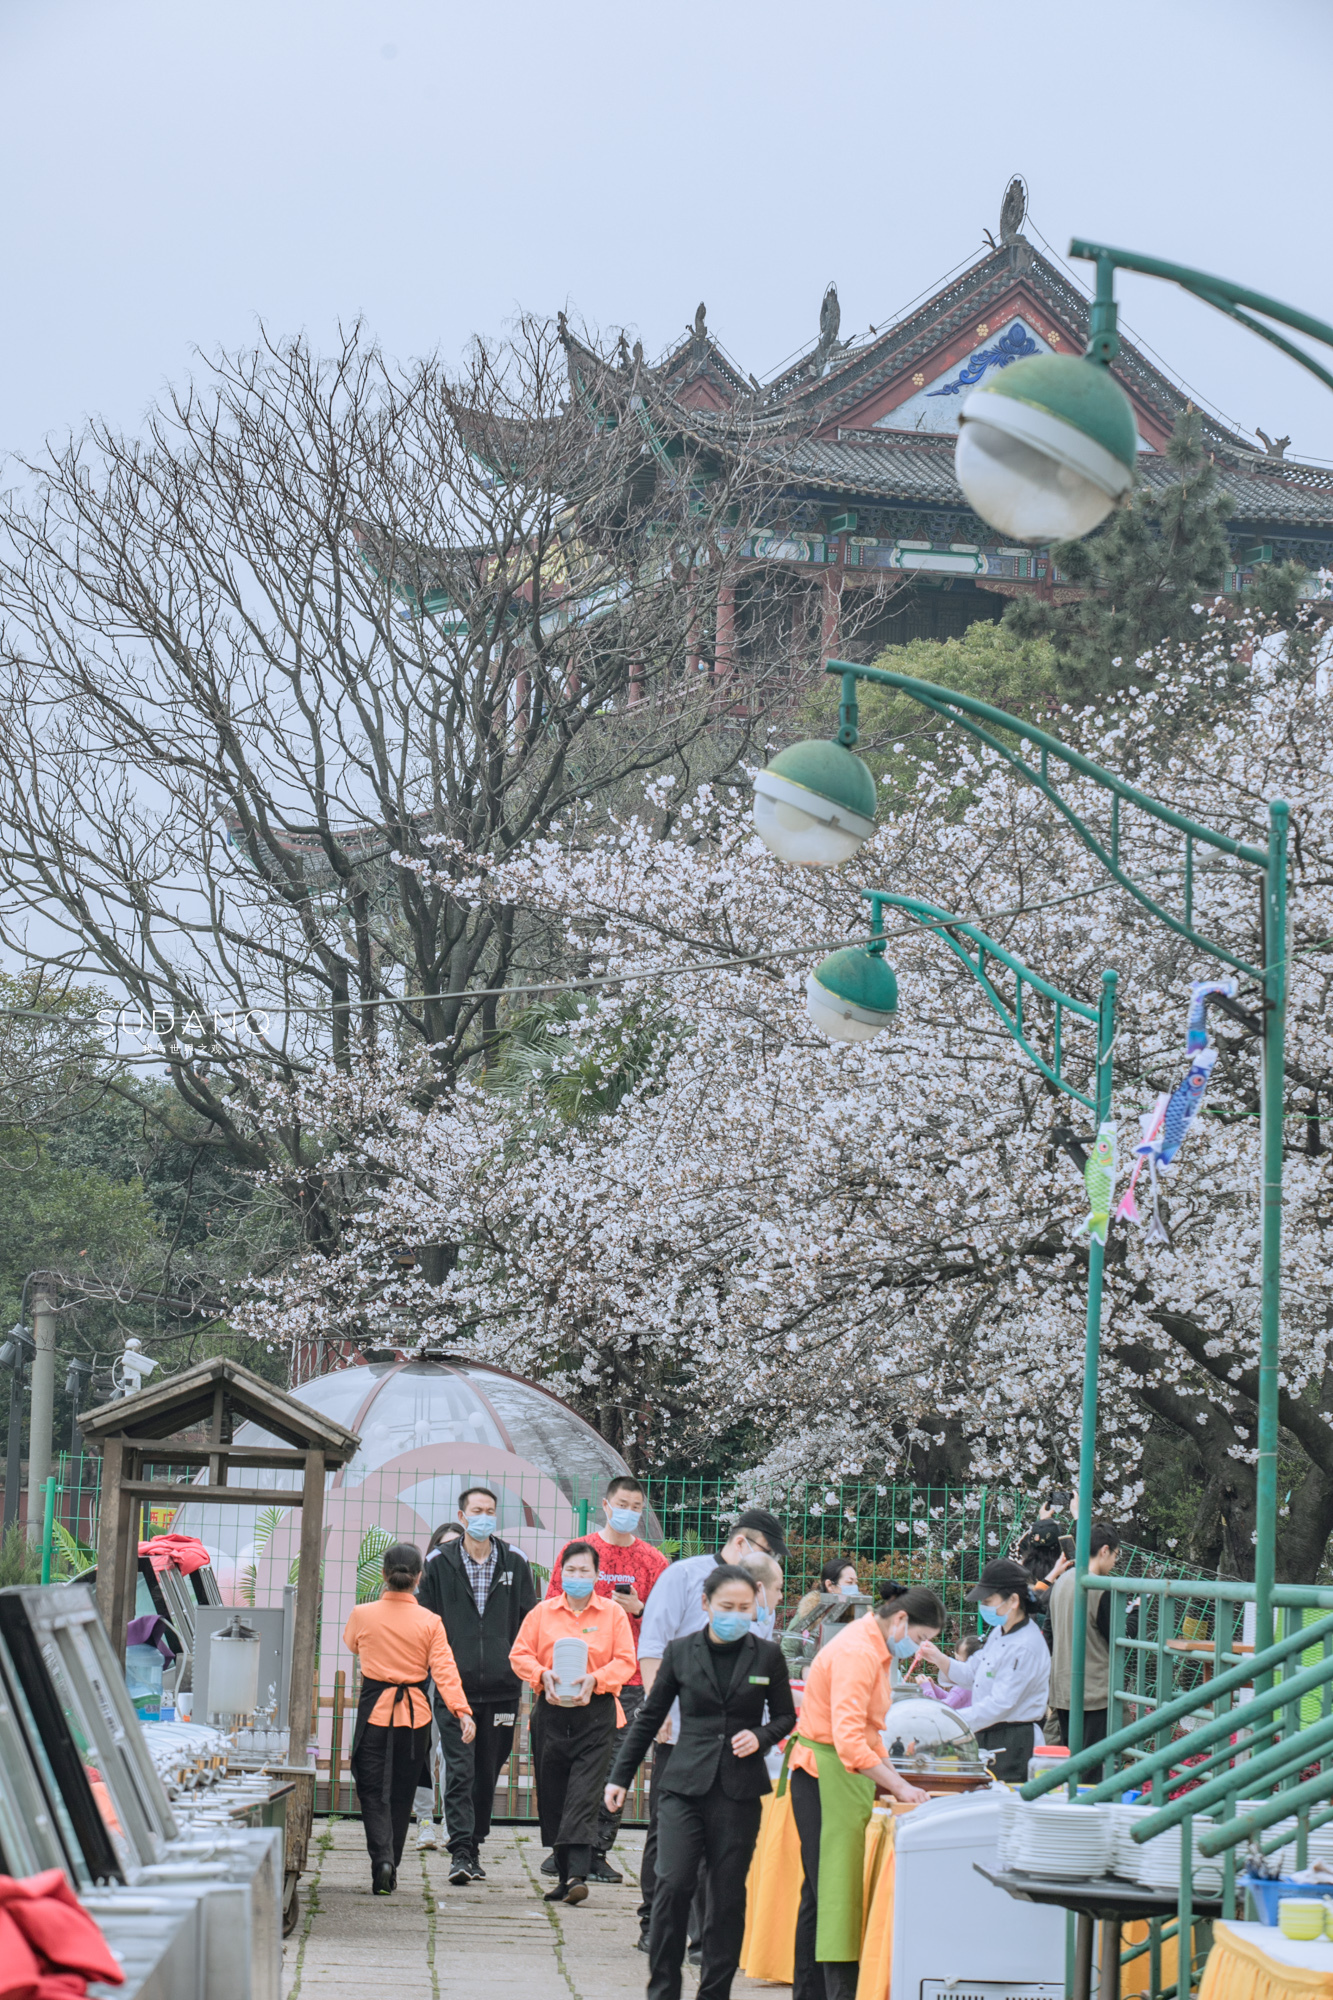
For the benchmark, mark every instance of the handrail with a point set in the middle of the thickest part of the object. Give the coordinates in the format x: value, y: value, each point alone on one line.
x: 1281, y: 1806
x: 1189, y: 1704
x: 1293, y: 1596
x: 1290, y: 1754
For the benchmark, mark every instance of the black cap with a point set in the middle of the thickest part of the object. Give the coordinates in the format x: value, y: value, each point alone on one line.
x: 1002, y: 1578
x: 767, y: 1525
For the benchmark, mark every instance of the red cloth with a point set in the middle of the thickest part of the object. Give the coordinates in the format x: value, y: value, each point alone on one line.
x: 180, y: 1552
x: 49, y: 1945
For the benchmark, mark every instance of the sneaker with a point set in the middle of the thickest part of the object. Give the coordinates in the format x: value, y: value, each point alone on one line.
x: 641, y: 1942
x: 550, y: 1866
x: 577, y: 1892
x: 475, y: 1870
x: 428, y: 1836
x: 460, y: 1871
x: 695, y: 1954
x: 602, y: 1871
x: 558, y: 1894
x: 383, y: 1879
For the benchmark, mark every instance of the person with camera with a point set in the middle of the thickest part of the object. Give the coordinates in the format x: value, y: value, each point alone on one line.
x: 573, y: 1728
x: 627, y: 1569
x: 1104, y: 1546
x: 735, y: 1704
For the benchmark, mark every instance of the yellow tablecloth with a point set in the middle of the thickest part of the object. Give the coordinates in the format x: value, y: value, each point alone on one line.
x: 774, y: 1893
x: 1254, y: 1962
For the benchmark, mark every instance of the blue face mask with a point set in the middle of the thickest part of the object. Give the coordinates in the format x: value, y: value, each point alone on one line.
x: 480, y: 1526
x: 576, y: 1586
x: 763, y: 1623
x: 904, y: 1649
x: 625, y: 1520
x: 728, y: 1625
x: 990, y: 1614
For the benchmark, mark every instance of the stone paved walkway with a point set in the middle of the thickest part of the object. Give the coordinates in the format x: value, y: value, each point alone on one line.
x: 496, y: 1940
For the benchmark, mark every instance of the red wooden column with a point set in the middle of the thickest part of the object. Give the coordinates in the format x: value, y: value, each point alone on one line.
x: 830, y: 610
x: 724, y: 649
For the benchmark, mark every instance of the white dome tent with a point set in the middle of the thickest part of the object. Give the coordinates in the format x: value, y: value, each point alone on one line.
x: 428, y: 1428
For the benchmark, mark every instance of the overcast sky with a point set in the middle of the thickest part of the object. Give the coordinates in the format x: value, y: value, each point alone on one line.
x: 175, y: 173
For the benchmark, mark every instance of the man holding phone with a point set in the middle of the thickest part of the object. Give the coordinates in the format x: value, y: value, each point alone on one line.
x: 628, y: 1567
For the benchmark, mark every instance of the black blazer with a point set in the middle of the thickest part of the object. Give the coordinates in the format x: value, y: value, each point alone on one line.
x: 703, y: 1757
x: 480, y: 1642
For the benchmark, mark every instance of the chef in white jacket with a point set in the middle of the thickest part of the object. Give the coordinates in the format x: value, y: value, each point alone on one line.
x: 1010, y: 1677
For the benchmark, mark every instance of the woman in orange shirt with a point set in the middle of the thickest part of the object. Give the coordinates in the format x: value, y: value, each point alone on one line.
x: 572, y: 1740
x: 399, y: 1644
x: 836, y: 1759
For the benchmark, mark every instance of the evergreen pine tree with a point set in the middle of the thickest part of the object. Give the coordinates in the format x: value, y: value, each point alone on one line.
x: 1145, y: 572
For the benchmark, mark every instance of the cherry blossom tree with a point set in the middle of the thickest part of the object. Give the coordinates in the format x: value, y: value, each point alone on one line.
x: 868, y: 1256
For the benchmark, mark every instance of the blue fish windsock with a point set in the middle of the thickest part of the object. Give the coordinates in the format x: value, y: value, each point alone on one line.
x: 1183, y: 1107
x: 1196, y: 1027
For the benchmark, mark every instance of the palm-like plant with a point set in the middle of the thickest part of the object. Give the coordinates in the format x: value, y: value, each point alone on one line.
x: 544, y: 1062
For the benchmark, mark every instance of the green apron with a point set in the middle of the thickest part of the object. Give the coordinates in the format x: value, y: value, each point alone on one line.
x: 846, y: 1800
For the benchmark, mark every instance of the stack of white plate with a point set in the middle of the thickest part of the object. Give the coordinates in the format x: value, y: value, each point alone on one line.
x: 1124, y: 1854
x: 1159, y: 1861
x: 1010, y: 1805
x: 1071, y: 1842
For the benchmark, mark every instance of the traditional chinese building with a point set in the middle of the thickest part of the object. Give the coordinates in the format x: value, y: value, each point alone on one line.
x: 871, y: 534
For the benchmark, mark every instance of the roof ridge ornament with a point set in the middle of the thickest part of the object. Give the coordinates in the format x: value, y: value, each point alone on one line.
x: 1013, y: 210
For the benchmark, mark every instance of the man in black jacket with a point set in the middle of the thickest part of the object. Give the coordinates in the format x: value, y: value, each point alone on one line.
x: 482, y: 1590
x: 735, y: 1704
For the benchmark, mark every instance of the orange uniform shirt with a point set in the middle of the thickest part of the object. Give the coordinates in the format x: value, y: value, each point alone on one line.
x: 600, y: 1621
x: 847, y: 1694
x: 400, y: 1641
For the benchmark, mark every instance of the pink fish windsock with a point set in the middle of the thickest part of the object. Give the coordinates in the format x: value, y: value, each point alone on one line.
x: 1150, y: 1124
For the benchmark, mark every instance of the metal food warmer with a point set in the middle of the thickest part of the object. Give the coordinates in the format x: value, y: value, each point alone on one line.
x: 188, y: 1895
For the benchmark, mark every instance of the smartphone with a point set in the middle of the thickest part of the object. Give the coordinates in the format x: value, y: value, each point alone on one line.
x: 623, y: 1589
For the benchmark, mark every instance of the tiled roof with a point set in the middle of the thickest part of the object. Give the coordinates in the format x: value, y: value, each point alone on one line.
x: 899, y: 466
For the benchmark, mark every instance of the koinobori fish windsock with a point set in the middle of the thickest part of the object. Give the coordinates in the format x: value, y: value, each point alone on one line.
x: 1196, y: 1027
x: 1099, y: 1176
x: 1150, y: 1124
x: 1182, y: 1108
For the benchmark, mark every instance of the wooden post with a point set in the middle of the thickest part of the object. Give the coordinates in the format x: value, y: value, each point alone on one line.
x: 302, y: 1691
x: 118, y: 1543
x: 336, y: 1742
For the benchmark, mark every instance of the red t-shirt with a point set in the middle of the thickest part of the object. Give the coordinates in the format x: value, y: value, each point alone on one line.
x: 639, y: 1565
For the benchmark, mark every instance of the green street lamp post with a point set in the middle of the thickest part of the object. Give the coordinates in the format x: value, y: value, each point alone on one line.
x: 846, y: 992
x: 841, y: 982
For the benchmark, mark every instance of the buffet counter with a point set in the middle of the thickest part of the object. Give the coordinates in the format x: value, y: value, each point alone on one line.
x: 1255, y: 1962
x: 774, y: 1892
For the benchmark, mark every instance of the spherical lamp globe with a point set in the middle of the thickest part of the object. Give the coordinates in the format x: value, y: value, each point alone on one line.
x: 814, y: 804
x: 853, y: 995
x: 1047, y: 448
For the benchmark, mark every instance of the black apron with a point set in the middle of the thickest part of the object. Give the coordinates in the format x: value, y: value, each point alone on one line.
x: 370, y: 1694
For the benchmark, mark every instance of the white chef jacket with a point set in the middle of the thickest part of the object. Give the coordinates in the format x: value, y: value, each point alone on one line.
x: 1010, y: 1677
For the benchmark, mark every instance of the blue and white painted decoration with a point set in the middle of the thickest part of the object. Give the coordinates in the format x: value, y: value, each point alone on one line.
x: 934, y: 406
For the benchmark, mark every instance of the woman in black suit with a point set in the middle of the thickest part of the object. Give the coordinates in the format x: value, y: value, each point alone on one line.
x: 735, y: 1704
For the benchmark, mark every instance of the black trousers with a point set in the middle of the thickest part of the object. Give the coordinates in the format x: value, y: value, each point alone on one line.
x: 831, y: 1979
x: 472, y: 1770
x: 1012, y: 1743
x: 720, y: 1832
x: 1094, y: 1731
x: 571, y: 1755
x: 608, y: 1823
x: 648, y: 1864
x: 386, y: 1821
